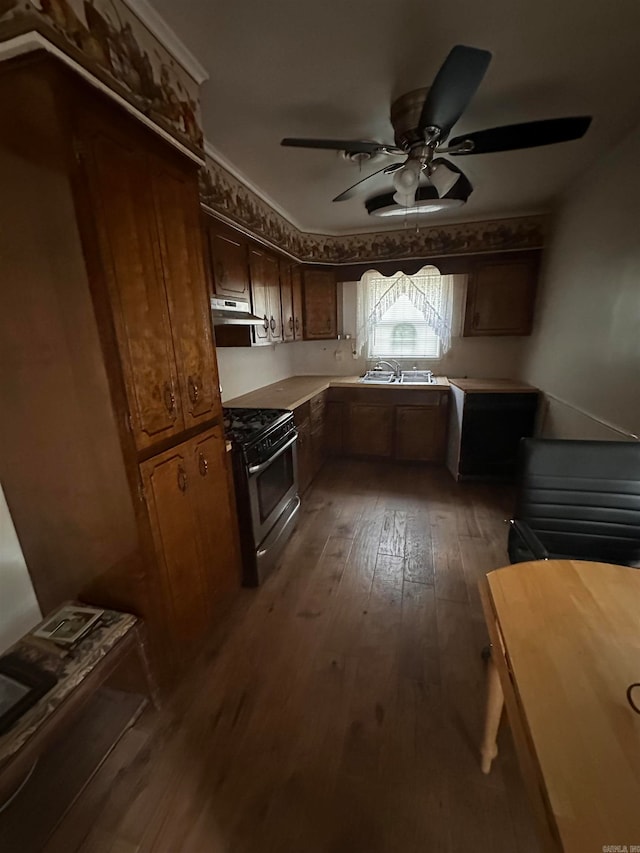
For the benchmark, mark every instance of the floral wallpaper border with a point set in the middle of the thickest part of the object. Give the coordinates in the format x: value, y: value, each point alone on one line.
x: 223, y: 193
x: 110, y: 41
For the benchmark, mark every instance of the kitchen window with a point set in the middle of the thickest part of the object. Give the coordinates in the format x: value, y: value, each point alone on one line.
x: 405, y: 316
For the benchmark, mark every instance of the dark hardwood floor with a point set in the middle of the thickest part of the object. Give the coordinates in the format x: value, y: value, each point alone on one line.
x: 339, y: 707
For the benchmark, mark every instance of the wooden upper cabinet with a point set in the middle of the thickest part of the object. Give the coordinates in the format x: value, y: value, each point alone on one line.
x: 129, y: 259
x: 177, y: 211
x: 229, y: 264
x: 286, y: 296
x: 259, y: 295
x: 500, y: 298
x: 320, y: 305
x: 272, y: 279
x: 296, y: 295
x: 265, y: 296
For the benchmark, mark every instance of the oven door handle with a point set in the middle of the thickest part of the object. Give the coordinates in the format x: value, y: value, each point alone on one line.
x: 257, y: 469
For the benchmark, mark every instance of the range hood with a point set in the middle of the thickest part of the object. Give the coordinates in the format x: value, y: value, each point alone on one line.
x: 233, y: 312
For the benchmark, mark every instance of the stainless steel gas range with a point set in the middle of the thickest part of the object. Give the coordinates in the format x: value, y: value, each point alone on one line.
x: 265, y: 471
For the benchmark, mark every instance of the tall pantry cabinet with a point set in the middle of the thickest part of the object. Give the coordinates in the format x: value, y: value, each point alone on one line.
x: 113, y: 454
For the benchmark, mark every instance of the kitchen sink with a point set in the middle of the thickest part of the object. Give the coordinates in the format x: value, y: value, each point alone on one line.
x: 407, y: 377
x: 417, y: 377
x: 378, y: 377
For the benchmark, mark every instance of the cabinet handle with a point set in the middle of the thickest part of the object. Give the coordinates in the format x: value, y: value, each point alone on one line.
x: 291, y: 323
x: 266, y: 323
x: 194, y: 390
x: 203, y: 465
x: 169, y: 398
x: 297, y: 324
x: 182, y: 479
x: 272, y: 324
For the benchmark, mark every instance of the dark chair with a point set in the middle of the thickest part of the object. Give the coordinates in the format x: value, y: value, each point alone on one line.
x: 577, y: 500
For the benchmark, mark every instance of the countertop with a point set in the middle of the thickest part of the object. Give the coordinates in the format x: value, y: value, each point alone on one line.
x: 494, y: 386
x: 296, y: 390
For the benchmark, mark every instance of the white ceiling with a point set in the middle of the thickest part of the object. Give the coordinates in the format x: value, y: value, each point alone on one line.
x: 331, y: 69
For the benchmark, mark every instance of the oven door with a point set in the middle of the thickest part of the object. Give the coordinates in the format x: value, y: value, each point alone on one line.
x: 272, y: 485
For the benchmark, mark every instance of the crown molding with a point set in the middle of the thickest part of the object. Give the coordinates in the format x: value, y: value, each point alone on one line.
x: 158, y: 27
x: 211, y: 151
x: 28, y: 42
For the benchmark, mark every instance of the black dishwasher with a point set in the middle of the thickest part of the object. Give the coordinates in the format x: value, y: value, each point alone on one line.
x: 492, y: 426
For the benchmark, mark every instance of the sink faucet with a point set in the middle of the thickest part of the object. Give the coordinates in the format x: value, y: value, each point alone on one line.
x: 395, y: 367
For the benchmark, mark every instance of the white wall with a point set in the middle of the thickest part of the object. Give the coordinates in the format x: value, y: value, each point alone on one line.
x: 498, y: 357
x: 19, y: 609
x: 585, y: 350
x: 242, y: 369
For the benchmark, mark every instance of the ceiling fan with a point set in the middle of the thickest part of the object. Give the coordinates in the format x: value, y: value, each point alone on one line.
x: 422, y: 120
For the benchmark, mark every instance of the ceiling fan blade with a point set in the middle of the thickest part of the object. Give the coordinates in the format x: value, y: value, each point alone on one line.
x: 353, y: 190
x: 351, y: 146
x: 529, y: 134
x: 455, y: 84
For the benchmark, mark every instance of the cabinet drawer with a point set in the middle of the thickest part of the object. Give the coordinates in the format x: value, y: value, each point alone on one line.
x: 317, y: 407
x: 302, y: 414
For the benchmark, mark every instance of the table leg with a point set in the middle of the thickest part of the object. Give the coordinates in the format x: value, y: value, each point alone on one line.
x: 495, y: 703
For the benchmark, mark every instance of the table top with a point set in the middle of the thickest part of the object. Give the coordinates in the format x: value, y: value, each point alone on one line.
x: 571, y: 632
x: 494, y: 386
x: 70, y: 666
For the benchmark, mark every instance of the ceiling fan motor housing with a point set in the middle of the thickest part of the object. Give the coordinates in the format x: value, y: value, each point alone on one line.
x: 405, y: 117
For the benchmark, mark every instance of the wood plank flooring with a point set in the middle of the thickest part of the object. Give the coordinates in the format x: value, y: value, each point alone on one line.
x: 339, y: 707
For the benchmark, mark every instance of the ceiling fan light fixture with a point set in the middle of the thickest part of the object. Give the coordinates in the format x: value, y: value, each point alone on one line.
x: 405, y: 200
x: 434, y: 205
x: 406, y: 180
x: 444, y: 178
x: 425, y: 200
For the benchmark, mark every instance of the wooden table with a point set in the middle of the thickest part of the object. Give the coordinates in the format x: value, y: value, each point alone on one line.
x: 80, y: 672
x: 565, y: 647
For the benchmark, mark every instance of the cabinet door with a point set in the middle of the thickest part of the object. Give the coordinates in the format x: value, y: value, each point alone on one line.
x: 305, y: 456
x: 370, y: 430
x: 500, y: 298
x: 320, y: 305
x: 286, y: 296
x: 178, y: 213
x: 296, y: 292
x: 229, y: 263
x: 129, y: 258
x: 172, y: 505
x: 333, y: 428
x: 216, y: 513
x: 272, y: 278
x: 259, y: 296
x: 421, y: 432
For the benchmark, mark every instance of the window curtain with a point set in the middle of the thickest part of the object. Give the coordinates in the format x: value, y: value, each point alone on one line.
x: 430, y: 292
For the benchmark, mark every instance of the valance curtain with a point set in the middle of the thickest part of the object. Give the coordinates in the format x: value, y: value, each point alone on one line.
x: 429, y: 292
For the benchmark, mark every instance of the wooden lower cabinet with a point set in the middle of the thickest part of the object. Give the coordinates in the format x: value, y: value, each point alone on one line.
x: 421, y: 433
x: 305, y: 458
x: 310, y: 423
x: 216, y: 512
x: 194, y: 534
x: 334, y: 416
x: 409, y: 426
x: 369, y: 430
